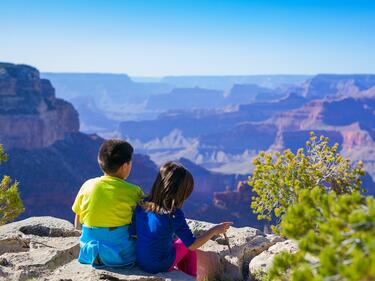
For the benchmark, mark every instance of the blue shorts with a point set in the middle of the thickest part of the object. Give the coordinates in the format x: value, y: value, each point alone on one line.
x: 112, y: 245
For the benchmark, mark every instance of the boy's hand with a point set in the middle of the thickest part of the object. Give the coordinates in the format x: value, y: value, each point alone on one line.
x: 222, y: 227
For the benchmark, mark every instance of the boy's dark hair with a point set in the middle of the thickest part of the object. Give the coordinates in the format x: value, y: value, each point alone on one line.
x: 113, y: 154
x: 173, y: 185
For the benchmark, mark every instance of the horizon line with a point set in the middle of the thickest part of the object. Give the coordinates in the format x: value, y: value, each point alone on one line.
x: 203, y: 75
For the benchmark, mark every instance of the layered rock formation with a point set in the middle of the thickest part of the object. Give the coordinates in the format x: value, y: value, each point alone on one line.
x: 51, y: 159
x: 348, y: 121
x: 324, y: 85
x: 46, y: 248
x: 231, y: 204
x: 222, y: 140
x: 230, y: 197
x: 50, y: 177
x: 30, y: 114
x: 247, y: 93
x: 217, y: 139
x: 226, y: 82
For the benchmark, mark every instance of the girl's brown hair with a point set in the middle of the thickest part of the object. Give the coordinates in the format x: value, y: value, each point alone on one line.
x: 173, y: 185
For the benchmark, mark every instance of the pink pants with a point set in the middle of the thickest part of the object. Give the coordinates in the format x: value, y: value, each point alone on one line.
x: 186, y: 260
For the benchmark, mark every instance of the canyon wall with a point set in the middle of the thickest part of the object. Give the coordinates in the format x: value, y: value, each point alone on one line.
x: 30, y: 114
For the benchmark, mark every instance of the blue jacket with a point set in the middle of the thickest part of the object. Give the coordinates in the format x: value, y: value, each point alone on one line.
x: 155, y: 236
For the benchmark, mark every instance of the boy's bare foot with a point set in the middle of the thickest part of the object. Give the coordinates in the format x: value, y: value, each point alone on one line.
x: 98, y: 261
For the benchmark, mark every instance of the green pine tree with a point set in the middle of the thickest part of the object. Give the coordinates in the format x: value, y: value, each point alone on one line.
x: 11, y: 205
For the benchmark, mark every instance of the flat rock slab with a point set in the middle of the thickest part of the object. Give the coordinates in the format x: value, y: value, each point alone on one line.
x: 46, y: 248
x: 40, y: 226
x: 76, y: 271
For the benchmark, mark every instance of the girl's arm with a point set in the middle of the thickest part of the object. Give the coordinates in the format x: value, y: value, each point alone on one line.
x: 216, y: 230
x: 77, y: 224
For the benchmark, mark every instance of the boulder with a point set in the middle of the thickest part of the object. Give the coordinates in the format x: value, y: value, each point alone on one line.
x: 262, y: 262
x: 223, y: 264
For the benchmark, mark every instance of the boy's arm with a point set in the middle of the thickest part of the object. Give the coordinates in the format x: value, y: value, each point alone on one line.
x: 76, y: 208
x: 141, y: 194
x: 77, y: 223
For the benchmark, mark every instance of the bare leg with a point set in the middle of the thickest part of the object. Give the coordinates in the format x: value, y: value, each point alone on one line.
x: 208, y: 265
x: 188, y: 264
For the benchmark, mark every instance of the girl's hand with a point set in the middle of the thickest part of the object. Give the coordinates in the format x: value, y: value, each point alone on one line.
x: 222, y: 227
x: 216, y: 230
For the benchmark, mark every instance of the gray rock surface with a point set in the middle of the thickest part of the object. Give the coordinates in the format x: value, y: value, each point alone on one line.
x: 46, y: 248
x: 245, y: 242
x: 40, y: 226
x: 263, y: 261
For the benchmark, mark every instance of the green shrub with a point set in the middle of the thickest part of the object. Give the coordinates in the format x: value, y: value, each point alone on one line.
x: 11, y: 205
x: 336, y: 238
x: 317, y: 201
x: 278, y: 178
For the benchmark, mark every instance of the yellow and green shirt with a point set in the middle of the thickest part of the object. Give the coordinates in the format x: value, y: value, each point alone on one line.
x: 106, y: 202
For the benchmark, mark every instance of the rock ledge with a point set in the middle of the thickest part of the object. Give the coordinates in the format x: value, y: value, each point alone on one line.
x: 46, y: 248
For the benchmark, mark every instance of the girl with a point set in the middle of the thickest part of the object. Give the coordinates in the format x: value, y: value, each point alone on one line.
x: 159, y: 218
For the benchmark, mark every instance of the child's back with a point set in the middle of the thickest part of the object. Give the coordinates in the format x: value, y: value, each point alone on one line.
x: 104, y: 206
x: 159, y: 219
x: 155, y: 250
x: 106, y: 201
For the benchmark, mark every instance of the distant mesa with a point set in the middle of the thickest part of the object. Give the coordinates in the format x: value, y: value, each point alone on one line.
x: 325, y: 85
x: 247, y: 93
x: 186, y: 99
x: 30, y: 114
x: 224, y: 83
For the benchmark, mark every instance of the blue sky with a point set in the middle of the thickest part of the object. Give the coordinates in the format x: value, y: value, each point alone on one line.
x: 176, y: 37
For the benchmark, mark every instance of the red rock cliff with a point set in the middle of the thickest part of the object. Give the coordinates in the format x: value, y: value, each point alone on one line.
x: 30, y: 114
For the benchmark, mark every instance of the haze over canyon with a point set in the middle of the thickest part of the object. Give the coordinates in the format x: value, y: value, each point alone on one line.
x: 52, y: 125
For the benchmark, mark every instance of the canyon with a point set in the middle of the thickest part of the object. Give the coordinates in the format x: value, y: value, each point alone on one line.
x: 214, y: 132
x: 51, y: 159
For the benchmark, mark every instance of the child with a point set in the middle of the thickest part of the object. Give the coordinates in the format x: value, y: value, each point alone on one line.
x: 104, y: 206
x: 160, y: 217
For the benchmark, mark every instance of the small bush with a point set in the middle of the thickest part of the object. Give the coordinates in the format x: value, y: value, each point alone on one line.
x: 336, y: 237
x: 317, y: 201
x: 278, y: 178
x: 11, y: 205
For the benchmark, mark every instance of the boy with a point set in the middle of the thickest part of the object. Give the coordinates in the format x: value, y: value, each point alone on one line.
x: 104, y: 206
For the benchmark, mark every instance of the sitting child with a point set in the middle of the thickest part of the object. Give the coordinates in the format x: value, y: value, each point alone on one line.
x: 104, y: 206
x: 160, y: 217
